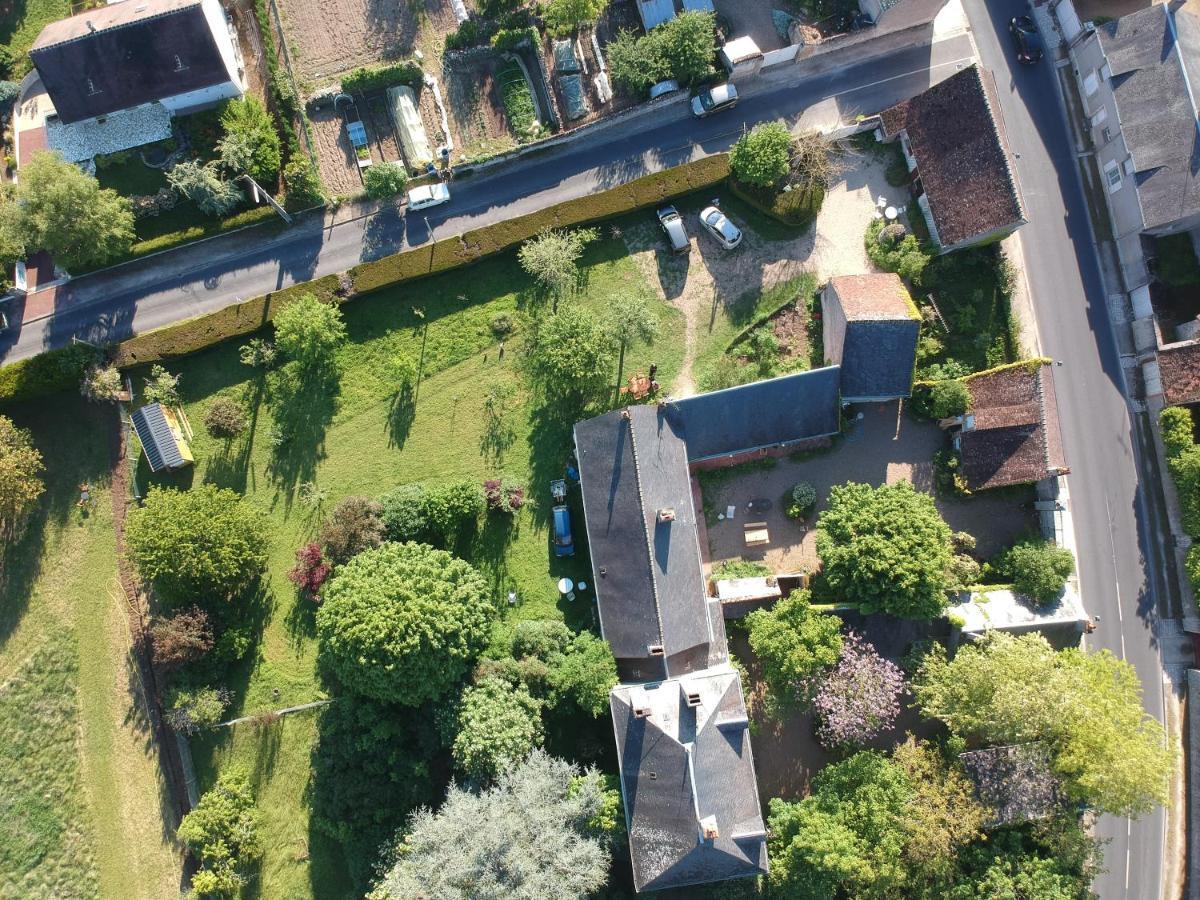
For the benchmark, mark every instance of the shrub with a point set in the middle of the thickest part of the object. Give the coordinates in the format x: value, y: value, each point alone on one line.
x: 505, y: 497
x: 860, y: 698
x: 466, y: 35
x: 451, y: 509
x: 404, y: 372
x: 302, y: 183
x: 403, y: 512
x: 762, y: 155
x: 1192, y: 565
x: 355, y: 525
x: 682, y: 48
x: 906, y: 258
x: 741, y: 568
x: 182, y: 638
x: 1039, y: 569
x: 251, y: 143
x: 385, y: 180
x: 498, y: 724
x: 1177, y: 429
x: 502, y: 324
x: 801, y: 500
x: 540, y: 638
x: 225, y: 418
x: 101, y: 383
x: 45, y: 374
x: 1185, y: 469
x: 564, y: 16
x: 309, y: 331
x: 222, y: 834
x: 203, y: 185
x: 374, y: 78
x: 258, y: 353
x: 963, y: 571
x: 511, y: 38
x: 311, y: 571
x: 190, y: 711
x: 949, y: 398
x: 161, y: 387
x: 963, y: 542
x: 586, y: 673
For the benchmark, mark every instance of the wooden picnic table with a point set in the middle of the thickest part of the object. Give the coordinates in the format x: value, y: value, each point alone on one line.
x: 756, y: 534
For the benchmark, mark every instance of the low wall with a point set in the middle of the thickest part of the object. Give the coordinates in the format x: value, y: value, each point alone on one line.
x: 713, y: 463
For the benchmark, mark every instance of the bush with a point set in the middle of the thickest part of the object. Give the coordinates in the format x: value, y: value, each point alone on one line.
x: 222, y: 834
x: 385, y: 180
x: 504, y: 497
x: 511, y: 38
x: 466, y: 35
x: 251, y: 143
x: 1038, y: 569
x: 964, y: 571
x: 182, y: 638
x: 310, y: 572
x: 762, y: 156
x: 564, y: 16
x: 101, y: 383
x: 498, y: 724
x: 906, y: 258
x: 682, y: 48
x: 161, y: 387
x: 948, y: 399
x: 191, y: 711
x: 225, y: 418
x: 302, y: 183
x: 203, y: 185
x: 45, y: 374
x: 403, y: 512
x: 452, y: 509
x: 1178, y: 430
x: 404, y: 372
x: 374, y: 78
x: 1185, y: 469
x: 540, y: 638
x: 309, y: 331
x: 258, y: 353
x: 502, y: 325
x: 354, y: 525
x: 801, y: 500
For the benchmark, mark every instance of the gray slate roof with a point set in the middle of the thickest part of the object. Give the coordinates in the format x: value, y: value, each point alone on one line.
x: 162, y: 451
x: 878, y: 358
x: 139, y: 52
x: 685, y: 768
x: 1152, y: 53
x: 781, y: 410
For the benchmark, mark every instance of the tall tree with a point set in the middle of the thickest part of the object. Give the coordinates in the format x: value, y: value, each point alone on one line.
x: 859, y: 698
x: 251, y: 143
x: 564, y: 16
x: 629, y: 320
x: 59, y: 208
x: 21, y: 484
x: 793, y: 643
x: 552, y: 258
x: 1086, y: 706
x: 762, y: 156
x: 402, y: 623
x: 530, y: 835
x: 310, y: 331
x: 570, y: 357
x: 886, y: 549
x: 498, y: 724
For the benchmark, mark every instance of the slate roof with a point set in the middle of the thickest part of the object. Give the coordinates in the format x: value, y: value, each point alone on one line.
x: 1179, y: 369
x: 153, y: 429
x: 1011, y: 433
x: 140, y: 51
x: 1152, y: 54
x: 962, y: 160
x: 687, y: 771
x: 1015, y: 782
x: 879, y: 350
x: 767, y: 413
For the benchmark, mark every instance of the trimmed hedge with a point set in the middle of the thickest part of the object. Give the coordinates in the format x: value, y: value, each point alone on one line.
x: 798, y: 208
x: 374, y: 78
x: 46, y: 373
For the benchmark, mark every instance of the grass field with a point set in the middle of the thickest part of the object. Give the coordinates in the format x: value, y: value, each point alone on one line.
x: 351, y: 439
x: 20, y: 23
x: 80, y: 798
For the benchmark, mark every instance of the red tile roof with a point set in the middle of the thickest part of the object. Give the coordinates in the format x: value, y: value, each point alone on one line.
x: 877, y: 296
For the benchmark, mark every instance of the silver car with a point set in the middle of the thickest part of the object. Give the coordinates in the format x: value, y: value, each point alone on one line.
x: 718, y: 225
x: 714, y: 99
x: 672, y: 226
x: 427, y: 195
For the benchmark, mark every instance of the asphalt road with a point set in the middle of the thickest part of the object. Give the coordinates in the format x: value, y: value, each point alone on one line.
x: 1117, y: 540
x: 140, y: 296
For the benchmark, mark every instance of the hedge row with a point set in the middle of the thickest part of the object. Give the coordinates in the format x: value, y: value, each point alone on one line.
x: 798, y: 208
x: 246, y: 317
x: 377, y: 77
x: 45, y: 374
x: 1183, y: 461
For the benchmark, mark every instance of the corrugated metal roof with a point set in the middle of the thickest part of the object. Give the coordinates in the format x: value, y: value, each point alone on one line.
x: 153, y: 430
x: 655, y: 12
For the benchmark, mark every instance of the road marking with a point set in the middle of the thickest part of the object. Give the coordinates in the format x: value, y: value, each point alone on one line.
x: 1116, y: 584
x: 863, y: 87
x: 1128, y: 851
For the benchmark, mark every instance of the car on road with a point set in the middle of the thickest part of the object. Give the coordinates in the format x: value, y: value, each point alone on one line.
x: 714, y: 99
x: 564, y: 544
x: 672, y: 226
x: 1025, y: 36
x: 718, y: 225
x: 428, y: 195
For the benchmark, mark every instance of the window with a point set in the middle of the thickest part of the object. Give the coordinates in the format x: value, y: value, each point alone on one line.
x: 1128, y: 166
x: 1105, y: 134
x: 1112, y: 173
x: 91, y: 87
x: 1091, y: 84
x: 179, y: 66
x: 1100, y: 117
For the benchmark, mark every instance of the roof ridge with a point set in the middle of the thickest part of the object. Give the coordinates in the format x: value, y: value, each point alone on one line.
x: 637, y: 480
x: 1001, y: 138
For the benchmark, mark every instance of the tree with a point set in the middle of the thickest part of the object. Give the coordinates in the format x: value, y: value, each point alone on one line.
x: 498, y: 725
x: 886, y: 549
x: 257, y: 353
x: 385, y: 180
x: 1055, y: 859
x: 1178, y: 429
x: 1085, y: 706
x: 402, y: 623
x: 161, y: 387
x: 552, y: 258
x: 813, y: 162
x: 302, y: 182
x: 353, y: 526
x: 309, y: 331
x: 762, y: 156
x: 225, y: 418
x: 21, y: 484
x: 310, y: 572
x: 403, y: 512
x: 59, y: 208
x: 251, y: 143
x: 860, y: 698
x: 585, y: 672
x: 182, y: 638
x: 801, y: 500
x: 203, y: 185
x: 949, y: 398
x: 682, y: 48
x: 9, y: 92
x: 564, y: 16
x: 192, y: 711
x: 570, y: 357
x: 629, y: 320
x: 196, y: 545
x: 454, y: 508
x: 527, y: 836
x: 222, y: 833
x: 636, y: 63
x: 793, y: 643
x: 540, y: 638
x: 1039, y: 569
x: 101, y: 383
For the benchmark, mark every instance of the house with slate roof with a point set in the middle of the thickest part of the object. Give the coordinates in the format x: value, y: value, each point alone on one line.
x: 954, y: 143
x: 870, y: 327
x: 112, y: 78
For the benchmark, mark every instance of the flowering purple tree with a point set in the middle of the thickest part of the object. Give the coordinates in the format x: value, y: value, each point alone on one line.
x: 859, y: 698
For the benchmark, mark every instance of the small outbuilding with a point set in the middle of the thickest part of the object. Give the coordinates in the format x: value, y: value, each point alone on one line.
x: 162, y: 438
x: 870, y: 328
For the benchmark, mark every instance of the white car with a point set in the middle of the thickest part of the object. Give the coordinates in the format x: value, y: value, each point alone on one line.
x: 428, y: 195
x: 714, y: 99
x: 718, y: 225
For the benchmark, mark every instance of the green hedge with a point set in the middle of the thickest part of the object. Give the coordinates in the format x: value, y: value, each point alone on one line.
x: 796, y: 208
x: 45, y: 374
x: 375, y: 78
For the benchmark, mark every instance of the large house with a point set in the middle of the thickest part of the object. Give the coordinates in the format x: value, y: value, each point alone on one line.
x: 112, y: 78
x: 953, y: 140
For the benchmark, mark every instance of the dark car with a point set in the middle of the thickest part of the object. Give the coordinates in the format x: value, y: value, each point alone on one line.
x: 672, y: 226
x: 564, y: 544
x: 1025, y: 36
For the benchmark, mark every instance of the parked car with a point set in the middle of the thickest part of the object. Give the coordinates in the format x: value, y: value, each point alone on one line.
x: 428, y: 195
x: 672, y: 225
x: 1025, y: 36
x: 663, y: 88
x: 714, y: 99
x: 718, y: 225
x: 564, y: 544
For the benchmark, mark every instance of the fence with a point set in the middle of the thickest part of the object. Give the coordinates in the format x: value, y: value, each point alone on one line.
x: 279, y: 42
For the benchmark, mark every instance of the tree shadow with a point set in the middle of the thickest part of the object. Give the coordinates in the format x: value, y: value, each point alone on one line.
x: 302, y: 406
x: 551, y: 444
x: 301, y: 621
x: 402, y: 410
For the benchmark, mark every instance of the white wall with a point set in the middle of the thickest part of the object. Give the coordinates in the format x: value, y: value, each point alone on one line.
x: 226, y: 42
x: 190, y: 100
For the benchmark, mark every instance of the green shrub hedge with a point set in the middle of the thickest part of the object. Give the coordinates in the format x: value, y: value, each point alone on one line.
x: 45, y: 374
x: 798, y: 207
x: 518, y: 101
x: 374, y: 78
x: 1177, y: 430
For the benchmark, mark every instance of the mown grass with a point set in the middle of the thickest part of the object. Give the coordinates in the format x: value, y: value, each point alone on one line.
x: 351, y: 439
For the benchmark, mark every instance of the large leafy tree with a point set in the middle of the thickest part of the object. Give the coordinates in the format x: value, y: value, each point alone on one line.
x: 585, y: 672
x: 570, y: 357
x: 21, y: 484
x: 402, y: 623
x: 564, y: 16
x: 309, y: 331
x: 59, y: 208
x: 200, y: 545
x: 530, y: 835
x: 222, y: 833
x: 498, y: 724
x: 1086, y: 706
x: 630, y: 320
x: 762, y: 156
x: 552, y: 257
x: 251, y: 143
x: 793, y: 643
x: 886, y: 549
x: 682, y: 48
x: 859, y: 698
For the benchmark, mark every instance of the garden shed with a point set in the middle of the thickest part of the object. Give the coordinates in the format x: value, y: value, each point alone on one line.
x: 162, y: 437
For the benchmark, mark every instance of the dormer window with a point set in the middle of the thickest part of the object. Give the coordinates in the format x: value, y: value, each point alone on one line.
x: 91, y: 86
x: 179, y: 66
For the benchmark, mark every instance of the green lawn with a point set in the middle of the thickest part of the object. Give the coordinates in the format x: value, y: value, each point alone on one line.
x: 20, y: 23
x: 350, y: 441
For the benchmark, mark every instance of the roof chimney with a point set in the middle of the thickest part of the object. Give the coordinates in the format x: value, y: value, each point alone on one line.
x: 708, y: 825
